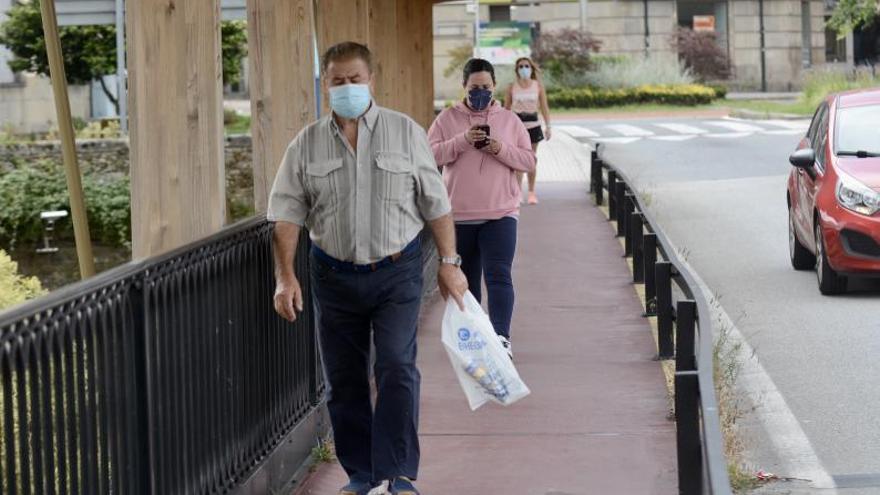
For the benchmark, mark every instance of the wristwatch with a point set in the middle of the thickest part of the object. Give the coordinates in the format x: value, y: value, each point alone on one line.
x: 451, y: 260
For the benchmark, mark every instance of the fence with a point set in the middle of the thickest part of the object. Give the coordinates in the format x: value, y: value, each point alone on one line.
x: 684, y: 329
x: 169, y: 375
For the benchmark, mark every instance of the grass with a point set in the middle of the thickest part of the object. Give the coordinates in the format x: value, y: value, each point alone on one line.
x: 324, y: 452
x: 634, y: 108
x: 237, y: 124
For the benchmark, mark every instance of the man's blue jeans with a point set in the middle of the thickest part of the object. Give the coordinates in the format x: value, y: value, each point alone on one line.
x: 381, y: 444
x: 488, y: 249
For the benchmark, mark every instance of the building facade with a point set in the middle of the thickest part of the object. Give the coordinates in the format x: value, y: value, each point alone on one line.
x: 769, y: 42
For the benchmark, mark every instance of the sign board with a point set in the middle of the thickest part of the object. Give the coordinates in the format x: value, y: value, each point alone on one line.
x: 704, y: 23
x: 504, y: 42
x: 100, y: 12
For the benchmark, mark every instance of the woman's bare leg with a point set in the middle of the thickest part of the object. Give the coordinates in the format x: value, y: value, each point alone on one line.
x: 533, y: 199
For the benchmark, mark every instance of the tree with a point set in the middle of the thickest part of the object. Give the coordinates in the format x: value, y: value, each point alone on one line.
x: 699, y: 51
x: 90, y: 51
x: 566, y: 54
x: 852, y: 14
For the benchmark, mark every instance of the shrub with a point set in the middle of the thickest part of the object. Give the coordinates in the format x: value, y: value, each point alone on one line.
x: 701, y: 54
x: 631, y: 72
x: 15, y: 289
x: 565, y: 55
x: 819, y: 83
x: 27, y: 191
x: 691, y: 94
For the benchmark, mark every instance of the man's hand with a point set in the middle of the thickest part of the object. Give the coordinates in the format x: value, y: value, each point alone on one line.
x: 288, y: 298
x: 493, y: 147
x: 453, y: 283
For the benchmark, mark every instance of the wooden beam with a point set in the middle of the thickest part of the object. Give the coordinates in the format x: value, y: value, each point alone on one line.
x: 282, y: 83
x: 176, y: 104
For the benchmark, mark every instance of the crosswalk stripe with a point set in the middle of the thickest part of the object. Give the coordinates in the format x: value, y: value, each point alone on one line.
x: 629, y: 130
x: 679, y: 137
x: 785, y: 132
x: 729, y: 135
x: 617, y: 140
x: 575, y: 131
x: 682, y: 128
x: 800, y: 125
x: 735, y: 126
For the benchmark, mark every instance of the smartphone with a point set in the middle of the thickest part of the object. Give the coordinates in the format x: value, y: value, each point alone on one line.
x: 482, y: 144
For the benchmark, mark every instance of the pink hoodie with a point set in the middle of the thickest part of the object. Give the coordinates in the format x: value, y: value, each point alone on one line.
x: 482, y: 186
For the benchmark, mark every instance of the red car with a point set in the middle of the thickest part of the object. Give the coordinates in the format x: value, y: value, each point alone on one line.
x: 834, y: 192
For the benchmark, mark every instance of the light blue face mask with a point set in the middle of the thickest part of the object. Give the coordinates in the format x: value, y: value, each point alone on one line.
x: 525, y: 72
x: 350, y: 101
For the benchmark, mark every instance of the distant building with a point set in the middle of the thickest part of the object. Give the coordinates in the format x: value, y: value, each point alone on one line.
x: 794, y: 34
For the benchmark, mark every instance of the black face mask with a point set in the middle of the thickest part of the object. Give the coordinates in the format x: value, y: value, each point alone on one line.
x: 479, y: 99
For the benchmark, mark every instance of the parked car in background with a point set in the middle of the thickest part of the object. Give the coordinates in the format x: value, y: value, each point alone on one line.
x: 834, y: 192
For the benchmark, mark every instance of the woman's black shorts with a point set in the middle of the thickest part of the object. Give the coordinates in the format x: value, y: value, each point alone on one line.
x: 535, y: 133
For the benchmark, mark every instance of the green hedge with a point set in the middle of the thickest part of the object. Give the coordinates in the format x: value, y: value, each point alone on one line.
x: 689, y: 94
x: 14, y: 288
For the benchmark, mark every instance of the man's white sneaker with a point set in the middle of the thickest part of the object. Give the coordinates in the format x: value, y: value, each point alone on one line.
x: 505, y: 342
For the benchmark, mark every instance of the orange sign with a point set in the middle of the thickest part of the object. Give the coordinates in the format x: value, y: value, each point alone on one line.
x: 704, y: 23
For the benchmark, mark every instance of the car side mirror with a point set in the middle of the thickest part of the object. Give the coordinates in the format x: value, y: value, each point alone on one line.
x: 803, y: 158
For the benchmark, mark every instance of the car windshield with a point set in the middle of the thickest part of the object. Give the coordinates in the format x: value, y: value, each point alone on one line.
x: 858, y: 130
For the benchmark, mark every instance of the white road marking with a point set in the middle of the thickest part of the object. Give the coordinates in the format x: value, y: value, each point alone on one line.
x: 629, y: 130
x: 673, y: 138
x: 575, y: 131
x: 682, y: 128
x: 729, y: 135
x: 735, y: 126
x: 801, y: 125
x: 786, y: 132
x: 616, y: 140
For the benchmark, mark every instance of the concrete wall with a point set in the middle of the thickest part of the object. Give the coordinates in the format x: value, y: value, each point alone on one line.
x: 6, y: 75
x: 782, y: 39
x: 28, y: 105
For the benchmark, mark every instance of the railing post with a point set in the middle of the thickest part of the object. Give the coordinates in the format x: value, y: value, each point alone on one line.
x: 685, y: 329
x: 629, y: 209
x: 687, y: 420
x: 620, y: 202
x: 649, y: 252
x: 594, y: 164
x: 612, y: 195
x: 142, y: 462
x: 664, y: 309
x: 600, y: 186
x: 636, y: 230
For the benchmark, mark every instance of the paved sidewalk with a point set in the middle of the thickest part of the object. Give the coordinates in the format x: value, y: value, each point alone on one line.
x: 596, y: 422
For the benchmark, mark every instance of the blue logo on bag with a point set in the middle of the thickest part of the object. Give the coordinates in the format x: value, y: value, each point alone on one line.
x: 464, y: 334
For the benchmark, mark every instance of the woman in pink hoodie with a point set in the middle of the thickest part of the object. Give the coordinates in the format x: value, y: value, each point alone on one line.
x: 481, y: 146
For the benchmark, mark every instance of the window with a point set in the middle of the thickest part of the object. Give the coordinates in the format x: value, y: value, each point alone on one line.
x: 858, y: 129
x: 814, y: 125
x: 835, y: 49
x: 821, y: 144
x: 499, y: 13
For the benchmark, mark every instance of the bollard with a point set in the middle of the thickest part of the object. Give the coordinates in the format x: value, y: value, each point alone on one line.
x: 612, y: 195
x: 649, y: 252
x: 637, y: 234
x: 663, y: 278
x: 687, y: 422
x: 685, y: 329
x: 620, y: 201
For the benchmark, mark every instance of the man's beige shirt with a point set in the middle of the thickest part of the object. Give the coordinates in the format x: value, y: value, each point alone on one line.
x: 366, y: 204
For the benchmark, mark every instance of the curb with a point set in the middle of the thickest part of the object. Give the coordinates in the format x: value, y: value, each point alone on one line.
x: 753, y: 115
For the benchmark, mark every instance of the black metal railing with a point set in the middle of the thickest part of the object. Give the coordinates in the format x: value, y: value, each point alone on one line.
x: 169, y: 375
x: 684, y: 328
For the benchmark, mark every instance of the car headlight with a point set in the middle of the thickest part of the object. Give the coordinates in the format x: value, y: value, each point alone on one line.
x: 855, y: 196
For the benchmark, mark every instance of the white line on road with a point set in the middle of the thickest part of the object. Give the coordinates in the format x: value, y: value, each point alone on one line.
x: 735, y: 126
x: 790, y: 442
x: 575, y: 131
x: 682, y: 128
x: 785, y: 132
x: 673, y: 138
x: 801, y: 125
x: 617, y: 140
x: 629, y: 130
x: 729, y: 135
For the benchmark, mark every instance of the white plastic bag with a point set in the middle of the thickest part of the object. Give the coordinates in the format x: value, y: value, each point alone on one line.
x: 484, y: 370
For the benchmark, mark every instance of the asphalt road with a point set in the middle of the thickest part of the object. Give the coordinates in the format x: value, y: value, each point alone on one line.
x: 722, y: 200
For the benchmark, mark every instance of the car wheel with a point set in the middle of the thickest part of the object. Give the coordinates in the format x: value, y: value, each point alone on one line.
x: 801, y: 257
x: 830, y: 282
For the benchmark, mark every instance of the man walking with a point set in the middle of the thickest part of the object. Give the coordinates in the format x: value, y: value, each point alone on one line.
x: 364, y: 182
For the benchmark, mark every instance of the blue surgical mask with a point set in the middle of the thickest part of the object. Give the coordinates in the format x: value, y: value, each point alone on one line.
x: 525, y: 72
x: 479, y: 99
x: 350, y: 101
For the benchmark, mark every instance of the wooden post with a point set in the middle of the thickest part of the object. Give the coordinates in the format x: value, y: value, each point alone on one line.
x: 68, y: 143
x: 400, y: 35
x: 282, y: 83
x: 176, y: 106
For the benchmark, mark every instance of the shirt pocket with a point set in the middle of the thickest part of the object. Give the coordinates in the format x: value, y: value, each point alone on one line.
x: 393, y: 176
x: 323, y: 177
